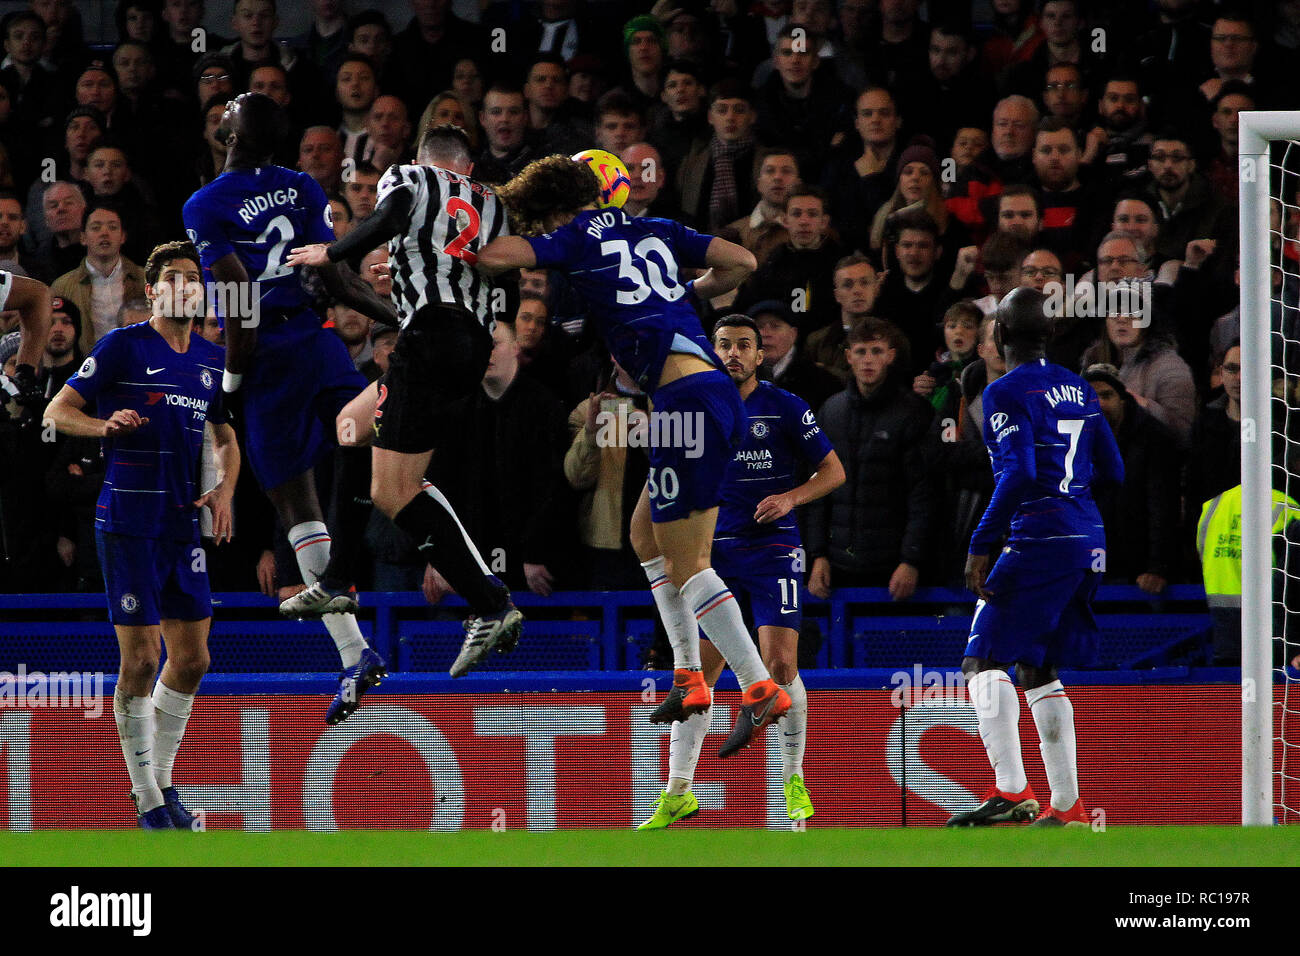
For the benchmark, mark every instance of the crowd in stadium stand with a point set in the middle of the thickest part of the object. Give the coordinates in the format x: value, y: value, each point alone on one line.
x: 893, y: 175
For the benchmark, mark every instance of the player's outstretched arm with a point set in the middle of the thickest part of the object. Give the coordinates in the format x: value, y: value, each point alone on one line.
x: 505, y: 253
x: 66, y: 413
x: 354, y: 292
x: 828, y: 476
x: 219, y: 497
x: 729, y: 265
x: 32, y: 301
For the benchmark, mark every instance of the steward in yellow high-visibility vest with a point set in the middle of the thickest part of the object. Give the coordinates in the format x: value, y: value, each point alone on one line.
x: 1218, y: 541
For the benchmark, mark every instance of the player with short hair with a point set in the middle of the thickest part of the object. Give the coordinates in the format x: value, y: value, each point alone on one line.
x: 1050, y: 446
x: 434, y: 218
x: 294, y: 374
x: 153, y: 387
x: 628, y: 269
x: 757, y: 550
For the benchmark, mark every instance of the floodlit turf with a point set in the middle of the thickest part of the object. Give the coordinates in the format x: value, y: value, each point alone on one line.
x: 1117, y: 846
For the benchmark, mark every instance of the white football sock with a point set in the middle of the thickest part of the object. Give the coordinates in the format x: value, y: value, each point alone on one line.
x: 716, y: 609
x: 684, y: 750
x: 679, y: 622
x: 794, y: 729
x: 1054, y: 718
x: 998, y: 708
x: 171, y: 712
x: 134, y: 717
x: 311, y: 546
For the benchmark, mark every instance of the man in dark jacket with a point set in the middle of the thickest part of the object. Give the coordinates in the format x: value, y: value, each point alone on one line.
x: 1141, y: 516
x: 875, y: 529
x: 502, y: 465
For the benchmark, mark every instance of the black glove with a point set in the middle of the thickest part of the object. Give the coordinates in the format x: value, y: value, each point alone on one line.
x: 30, y: 393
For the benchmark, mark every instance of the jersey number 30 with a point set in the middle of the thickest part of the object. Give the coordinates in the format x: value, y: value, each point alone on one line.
x: 627, y: 269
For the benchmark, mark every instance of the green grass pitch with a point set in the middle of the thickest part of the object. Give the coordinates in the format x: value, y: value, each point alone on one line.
x: 1116, y: 846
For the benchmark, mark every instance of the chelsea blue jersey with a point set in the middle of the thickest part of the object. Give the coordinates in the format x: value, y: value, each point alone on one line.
x: 781, y: 433
x: 1049, y: 443
x: 152, y: 479
x: 628, y: 271
x: 260, y: 215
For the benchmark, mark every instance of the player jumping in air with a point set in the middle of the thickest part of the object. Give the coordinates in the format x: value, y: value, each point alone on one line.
x: 627, y: 269
x: 295, y: 375
x: 1050, y: 445
x: 434, y: 218
x: 152, y: 387
x: 757, y: 550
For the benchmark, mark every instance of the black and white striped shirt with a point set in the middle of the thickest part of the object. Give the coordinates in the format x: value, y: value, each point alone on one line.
x: 432, y: 261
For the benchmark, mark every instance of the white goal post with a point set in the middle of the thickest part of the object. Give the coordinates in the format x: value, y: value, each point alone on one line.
x: 1258, y: 130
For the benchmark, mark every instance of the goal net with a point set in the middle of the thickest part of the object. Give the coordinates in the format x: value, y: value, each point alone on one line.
x: 1269, y: 156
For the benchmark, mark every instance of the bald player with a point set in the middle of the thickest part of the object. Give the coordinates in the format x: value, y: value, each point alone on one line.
x: 1050, y: 445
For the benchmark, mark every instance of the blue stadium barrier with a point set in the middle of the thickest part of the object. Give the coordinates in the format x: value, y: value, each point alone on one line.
x: 584, y: 631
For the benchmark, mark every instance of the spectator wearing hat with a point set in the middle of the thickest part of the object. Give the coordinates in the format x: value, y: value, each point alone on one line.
x: 783, y: 363
x: 717, y: 184
x: 1142, y: 516
x: 645, y: 50
x: 800, y: 105
x: 919, y: 189
x: 63, y: 355
x: 799, y: 272
x: 213, y: 75
x: 762, y: 232
x: 97, y: 86
x: 678, y: 124
x: 104, y: 279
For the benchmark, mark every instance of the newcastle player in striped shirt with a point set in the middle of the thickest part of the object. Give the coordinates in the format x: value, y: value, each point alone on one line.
x: 434, y: 218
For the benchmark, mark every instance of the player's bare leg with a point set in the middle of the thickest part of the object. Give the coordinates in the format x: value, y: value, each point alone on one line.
x: 1054, y: 718
x: 399, y: 490
x: 173, y: 700
x: 997, y: 707
x: 133, y: 711
x: 299, y: 508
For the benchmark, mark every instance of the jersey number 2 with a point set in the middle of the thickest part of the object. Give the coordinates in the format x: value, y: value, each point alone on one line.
x: 455, y: 206
x: 275, y: 266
